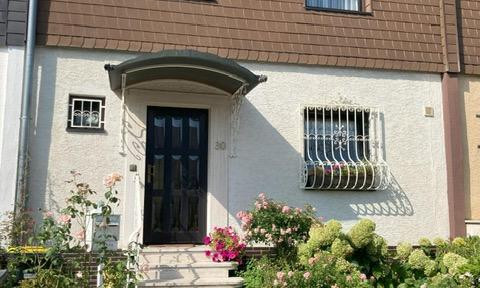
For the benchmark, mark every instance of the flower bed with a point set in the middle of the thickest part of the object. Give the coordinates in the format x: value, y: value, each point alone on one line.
x: 327, y: 256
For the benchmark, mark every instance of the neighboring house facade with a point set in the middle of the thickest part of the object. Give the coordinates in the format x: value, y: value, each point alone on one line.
x: 12, y: 40
x: 355, y: 108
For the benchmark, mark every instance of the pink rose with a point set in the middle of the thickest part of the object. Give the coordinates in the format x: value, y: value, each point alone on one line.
x: 48, y: 214
x: 80, y: 235
x: 363, y: 277
x: 285, y: 209
x: 280, y: 275
x: 111, y: 179
x: 288, y: 231
x: 263, y: 231
x: 311, y: 261
x: 64, y: 219
x: 306, y: 275
x: 290, y: 273
x: 261, y: 196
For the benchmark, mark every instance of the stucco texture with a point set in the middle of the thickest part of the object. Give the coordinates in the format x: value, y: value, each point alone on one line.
x: 470, y: 97
x: 269, y: 142
x: 270, y: 147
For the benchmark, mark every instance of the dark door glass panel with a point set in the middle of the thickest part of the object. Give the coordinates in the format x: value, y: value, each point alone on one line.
x: 157, y: 214
x: 177, y: 136
x: 194, y: 133
x: 158, y: 172
x: 176, y: 176
x: 159, y: 132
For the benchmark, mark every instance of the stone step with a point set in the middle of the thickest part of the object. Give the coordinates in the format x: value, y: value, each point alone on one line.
x: 197, y: 270
x: 152, y: 255
x: 230, y: 282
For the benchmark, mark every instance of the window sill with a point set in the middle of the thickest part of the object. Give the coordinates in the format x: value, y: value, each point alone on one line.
x: 332, y: 10
x: 86, y: 130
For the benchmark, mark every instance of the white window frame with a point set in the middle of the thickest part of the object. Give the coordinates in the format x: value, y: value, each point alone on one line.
x: 367, y: 171
x: 73, y: 99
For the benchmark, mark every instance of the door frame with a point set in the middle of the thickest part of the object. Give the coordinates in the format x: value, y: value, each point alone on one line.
x: 185, y: 237
x: 219, y: 107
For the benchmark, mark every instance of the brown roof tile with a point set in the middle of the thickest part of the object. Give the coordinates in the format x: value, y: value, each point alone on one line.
x: 398, y: 35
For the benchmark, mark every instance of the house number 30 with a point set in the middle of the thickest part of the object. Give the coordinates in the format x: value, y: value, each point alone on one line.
x: 220, y: 145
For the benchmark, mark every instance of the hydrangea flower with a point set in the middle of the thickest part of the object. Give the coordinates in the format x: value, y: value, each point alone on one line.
x: 453, y: 262
x: 404, y: 250
x: 341, y: 248
x: 362, y: 233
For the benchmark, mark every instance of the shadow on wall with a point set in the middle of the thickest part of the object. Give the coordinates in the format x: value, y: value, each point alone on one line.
x: 268, y: 163
x: 135, y: 130
x: 41, y: 138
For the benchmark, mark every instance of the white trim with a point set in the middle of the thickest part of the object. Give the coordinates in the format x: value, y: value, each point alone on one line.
x: 186, y: 66
x: 218, y: 129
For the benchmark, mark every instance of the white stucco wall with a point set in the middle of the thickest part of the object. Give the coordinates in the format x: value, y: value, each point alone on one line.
x: 11, y: 71
x: 269, y: 143
x: 270, y: 147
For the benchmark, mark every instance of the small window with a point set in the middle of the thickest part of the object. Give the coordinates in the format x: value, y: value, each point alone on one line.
x: 86, y: 113
x: 341, y: 5
x: 342, y: 149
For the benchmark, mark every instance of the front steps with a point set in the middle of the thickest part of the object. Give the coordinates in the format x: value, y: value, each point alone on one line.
x: 184, y: 267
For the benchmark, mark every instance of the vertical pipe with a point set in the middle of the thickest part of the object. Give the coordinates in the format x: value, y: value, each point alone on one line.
x: 28, y: 66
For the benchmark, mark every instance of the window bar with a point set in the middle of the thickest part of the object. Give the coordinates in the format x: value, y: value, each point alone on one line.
x: 370, y: 145
x: 72, y: 113
x: 357, y: 140
x: 340, y: 148
x: 319, y: 161
x: 307, y: 140
x: 91, y: 114
x: 325, y: 139
x: 366, y: 143
x: 332, y: 131
x: 349, y: 139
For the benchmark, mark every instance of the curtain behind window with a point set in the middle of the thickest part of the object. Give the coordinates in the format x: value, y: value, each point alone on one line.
x: 352, y: 5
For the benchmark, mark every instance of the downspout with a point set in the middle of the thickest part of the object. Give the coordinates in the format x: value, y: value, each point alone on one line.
x: 28, y: 66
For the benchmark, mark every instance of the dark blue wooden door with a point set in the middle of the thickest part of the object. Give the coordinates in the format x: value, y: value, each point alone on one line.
x: 176, y: 175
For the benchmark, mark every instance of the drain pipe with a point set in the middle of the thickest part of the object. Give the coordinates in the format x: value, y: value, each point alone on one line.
x: 28, y: 66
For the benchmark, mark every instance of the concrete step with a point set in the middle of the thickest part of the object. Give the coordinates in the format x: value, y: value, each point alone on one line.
x: 152, y: 255
x: 203, y: 282
x: 196, y: 270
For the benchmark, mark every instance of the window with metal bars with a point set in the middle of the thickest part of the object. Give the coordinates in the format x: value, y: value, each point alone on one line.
x: 345, y: 5
x: 342, y: 148
x: 86, y: 113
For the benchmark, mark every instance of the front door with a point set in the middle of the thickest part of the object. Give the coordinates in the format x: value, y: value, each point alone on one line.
x: 176, y: 175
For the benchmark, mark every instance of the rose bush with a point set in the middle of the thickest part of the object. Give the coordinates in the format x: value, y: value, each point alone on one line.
x: 276, y: 224
x: 226, y: 245
x: 327, y: 256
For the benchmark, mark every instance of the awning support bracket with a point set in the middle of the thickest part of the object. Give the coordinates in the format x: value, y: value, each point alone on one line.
x: 237, y: 100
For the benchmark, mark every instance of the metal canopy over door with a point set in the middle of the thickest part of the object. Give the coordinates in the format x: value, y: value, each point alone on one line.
x: 176, y: 175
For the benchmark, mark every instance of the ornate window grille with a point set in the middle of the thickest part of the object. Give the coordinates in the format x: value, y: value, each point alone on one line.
x: 86, y: 113
x: 343, y: 148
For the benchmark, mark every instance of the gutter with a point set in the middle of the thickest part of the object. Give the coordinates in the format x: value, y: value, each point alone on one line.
x: 28, y: 66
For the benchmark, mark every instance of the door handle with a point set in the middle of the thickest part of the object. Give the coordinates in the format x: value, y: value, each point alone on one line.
x: 150, y: 173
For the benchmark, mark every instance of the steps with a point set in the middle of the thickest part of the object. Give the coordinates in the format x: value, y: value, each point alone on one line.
x: 184, y: 267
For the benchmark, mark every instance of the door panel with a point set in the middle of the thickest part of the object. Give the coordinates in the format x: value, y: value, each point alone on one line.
x: 176, y: 175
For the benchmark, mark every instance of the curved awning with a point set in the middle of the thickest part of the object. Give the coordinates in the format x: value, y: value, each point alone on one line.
x: 188, y: 65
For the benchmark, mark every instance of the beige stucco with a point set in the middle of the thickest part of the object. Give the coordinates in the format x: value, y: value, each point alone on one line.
x: 470, y: 97
x: 269, y: 145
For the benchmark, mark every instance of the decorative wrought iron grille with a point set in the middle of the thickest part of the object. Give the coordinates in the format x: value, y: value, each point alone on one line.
x: 348, y: 5
x: 86, y: 113
x: 343, y: 148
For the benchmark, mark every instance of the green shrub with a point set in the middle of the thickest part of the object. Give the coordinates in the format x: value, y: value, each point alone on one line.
x: 331, y: 257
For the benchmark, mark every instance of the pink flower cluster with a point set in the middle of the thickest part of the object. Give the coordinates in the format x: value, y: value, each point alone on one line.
x: 262, y: 202
x: 111, y: 179
x: 246, y: 219
x: 226, y: 245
